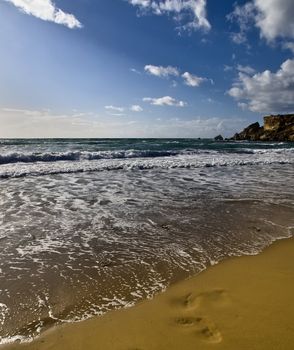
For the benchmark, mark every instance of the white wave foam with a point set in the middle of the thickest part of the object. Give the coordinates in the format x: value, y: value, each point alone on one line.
x: 180, y: 161
x: 4, y: 310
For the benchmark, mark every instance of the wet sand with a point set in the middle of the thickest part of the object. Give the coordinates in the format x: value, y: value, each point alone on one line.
x: 241, y: 303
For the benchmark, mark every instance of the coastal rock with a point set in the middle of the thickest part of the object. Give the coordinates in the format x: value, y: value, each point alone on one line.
x: 276, y: 128
x: 218, y: 138
x: 252, y: 133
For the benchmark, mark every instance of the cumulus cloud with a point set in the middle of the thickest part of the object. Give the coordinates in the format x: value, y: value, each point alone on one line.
x: 266, y: 92
x: 166, y: 72
x: 161, y: 71
x: 114, y: 108
x: 274, y: 19
x: 191, y: 14
x: 193, y: 80
x: 136, y: 108
x: 165, y: 101
x: 47, y: 11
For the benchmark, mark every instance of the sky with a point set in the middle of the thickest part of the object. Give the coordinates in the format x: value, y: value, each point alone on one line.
x: 143, y: 68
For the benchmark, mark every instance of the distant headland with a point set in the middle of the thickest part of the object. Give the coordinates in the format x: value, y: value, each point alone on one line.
x: 276, y: 128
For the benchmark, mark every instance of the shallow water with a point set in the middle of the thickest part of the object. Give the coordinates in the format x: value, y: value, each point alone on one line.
x: 92, y: 225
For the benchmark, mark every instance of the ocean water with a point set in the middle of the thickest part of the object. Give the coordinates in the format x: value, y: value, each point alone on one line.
x: 89, y: 225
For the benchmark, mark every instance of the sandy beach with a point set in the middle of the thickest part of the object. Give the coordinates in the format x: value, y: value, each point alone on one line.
x: 241, y: 303
x: 146, y: 175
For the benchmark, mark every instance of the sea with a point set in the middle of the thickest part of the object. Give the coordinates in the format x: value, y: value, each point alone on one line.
x: 92, y: 225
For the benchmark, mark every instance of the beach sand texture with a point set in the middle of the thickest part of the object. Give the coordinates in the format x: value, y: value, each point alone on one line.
x: 241, y: 303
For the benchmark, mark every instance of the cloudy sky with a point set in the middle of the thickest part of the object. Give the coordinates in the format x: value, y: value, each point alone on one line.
x: 143, y: 68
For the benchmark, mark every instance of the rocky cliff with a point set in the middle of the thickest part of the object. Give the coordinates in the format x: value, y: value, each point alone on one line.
x: 276, y: 128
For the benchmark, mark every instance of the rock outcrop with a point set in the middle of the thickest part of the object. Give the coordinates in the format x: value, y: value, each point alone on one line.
x: 276, y: 128
x: 218, y: 138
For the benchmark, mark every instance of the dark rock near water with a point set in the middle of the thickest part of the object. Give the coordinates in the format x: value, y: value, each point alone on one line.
x: 218, y: 138
x: 251, y: 133
x: 276, y: 128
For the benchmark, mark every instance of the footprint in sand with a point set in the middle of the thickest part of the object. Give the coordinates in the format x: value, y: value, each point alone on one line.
x: 188, y: 321
x: 204, y: 328
x: 216, y: 298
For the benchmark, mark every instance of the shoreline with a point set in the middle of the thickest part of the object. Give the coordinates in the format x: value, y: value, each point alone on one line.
x: 242, y: 302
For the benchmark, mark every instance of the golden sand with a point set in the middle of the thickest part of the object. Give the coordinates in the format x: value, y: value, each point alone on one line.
x: 242, y: 303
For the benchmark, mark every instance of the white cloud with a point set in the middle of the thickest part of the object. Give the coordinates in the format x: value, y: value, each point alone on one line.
x: 161, y: 71
x: 191, y: 13
x: 165, y: 72
x: 193, y: 80
x: 47, y: 11
x: 244, y: 16
x: 245, y: 69
x: 266, y: 92
x: 118, y: 111
x: 165, y: 101
x: 273, y: 18
x: 239, y: 68
x: 239, y: 38
x: 289, y: 45
x: 136, y: 108
x: 114, y: 108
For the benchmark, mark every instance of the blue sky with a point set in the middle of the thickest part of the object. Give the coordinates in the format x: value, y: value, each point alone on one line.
x: 143, y: 68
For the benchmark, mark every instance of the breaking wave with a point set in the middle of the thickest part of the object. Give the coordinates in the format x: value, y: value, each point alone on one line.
x: 34, y: 157
x: 73, y: 163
